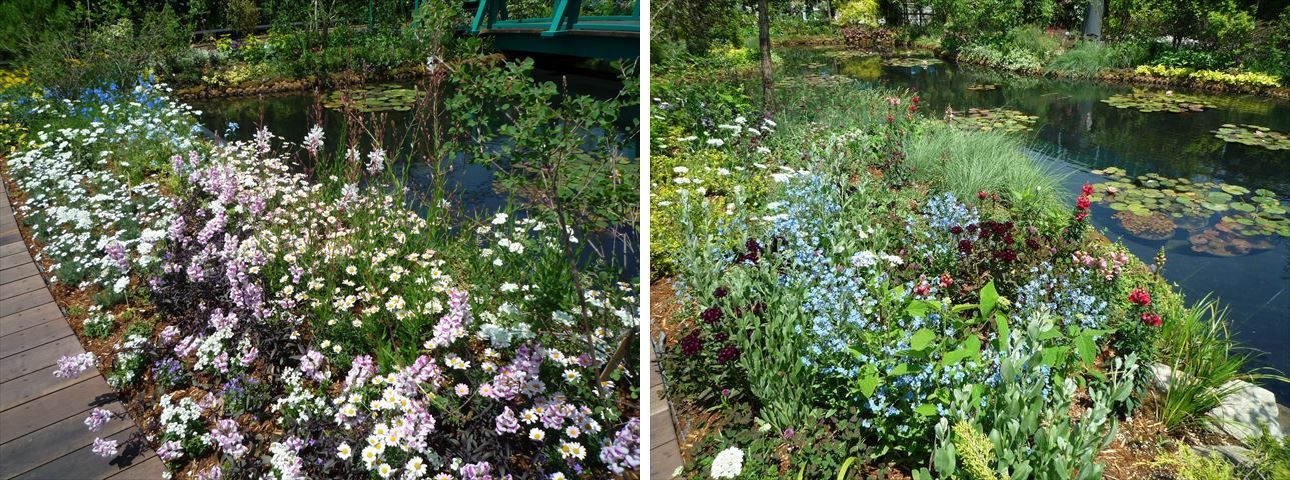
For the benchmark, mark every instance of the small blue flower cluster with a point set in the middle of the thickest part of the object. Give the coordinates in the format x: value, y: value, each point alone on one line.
x: 1066, y: 295
x: 844, y: 295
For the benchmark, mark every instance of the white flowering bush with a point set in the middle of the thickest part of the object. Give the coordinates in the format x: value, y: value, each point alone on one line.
x: 313, y: 328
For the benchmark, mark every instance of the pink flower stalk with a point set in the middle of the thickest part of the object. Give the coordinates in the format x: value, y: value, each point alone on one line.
x: 98, y: 417
x: 453, y: 325
x: 314, y: 140
x: 71, y: 366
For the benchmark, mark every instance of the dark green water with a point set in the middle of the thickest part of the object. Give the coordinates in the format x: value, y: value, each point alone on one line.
x: 1077, y: 133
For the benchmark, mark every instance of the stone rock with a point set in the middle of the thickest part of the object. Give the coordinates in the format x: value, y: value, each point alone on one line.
x: 1238, y: 456
x: 1243, y: 414
x: 1247, y: 411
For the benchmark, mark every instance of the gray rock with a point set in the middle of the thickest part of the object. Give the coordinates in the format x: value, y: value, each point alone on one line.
x: 1239, y: 456
x: 1247, y: 411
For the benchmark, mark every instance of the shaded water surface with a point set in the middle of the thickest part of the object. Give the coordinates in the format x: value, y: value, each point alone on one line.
x: 1076, y: 133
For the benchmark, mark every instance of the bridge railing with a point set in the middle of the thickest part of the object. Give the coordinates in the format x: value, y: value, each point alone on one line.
x: 492, y: 14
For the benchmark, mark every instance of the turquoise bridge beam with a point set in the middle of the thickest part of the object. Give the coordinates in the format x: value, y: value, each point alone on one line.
x: 565, y: 32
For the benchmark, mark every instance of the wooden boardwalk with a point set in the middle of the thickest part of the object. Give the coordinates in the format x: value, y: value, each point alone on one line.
x: 42, y: 429
x: 665, y: 452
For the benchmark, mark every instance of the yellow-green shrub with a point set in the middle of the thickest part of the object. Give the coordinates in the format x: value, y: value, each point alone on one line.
x: 858, y: 13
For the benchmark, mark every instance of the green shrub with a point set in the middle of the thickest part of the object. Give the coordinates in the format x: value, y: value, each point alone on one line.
x: 1027, y: 415
x: 1271, y: 456
x: 1229, y: 31
x: 855, y: 13
x: 1188, y: 465
x: 1088, y: 57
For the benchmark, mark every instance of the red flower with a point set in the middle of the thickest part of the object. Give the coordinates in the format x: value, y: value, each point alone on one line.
x: 1140, y: 297
x: 946, y: 280
x: 965, y: 246
x: 913, y: 107
x: 1086, y: 189
x: 1151, y: 319
x: 1083, y: 203
x: 1081, y: 216
x: 981, y: 195
x: 956, y: 229
x: 922, y: 289
x: 890, y: 119
x: 915, y: 100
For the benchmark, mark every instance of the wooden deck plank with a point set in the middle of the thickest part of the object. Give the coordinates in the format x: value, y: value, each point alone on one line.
x: 27, y: 300
x: 32, y: 416
x: 34, y: 337
x: 54, y: 441
x: 83, y: 463
x: 29, y: 318
x: 18, y: 287
x: 12, y: 248
x: 10, y: 261
x: 151, y: 469
x: 21, y: 270
x: 42, y: 429
x: 33, y: 386
x: 43, y: 357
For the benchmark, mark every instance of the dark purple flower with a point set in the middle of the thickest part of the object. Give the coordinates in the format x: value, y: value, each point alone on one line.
x: 727, y: 354
x: 711, y: 315
x: 691, y: 344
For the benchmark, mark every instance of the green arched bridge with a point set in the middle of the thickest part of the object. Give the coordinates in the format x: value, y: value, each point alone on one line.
x: 563, y: 33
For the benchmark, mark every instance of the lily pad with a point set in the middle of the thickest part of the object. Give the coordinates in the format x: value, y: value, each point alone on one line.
x: 996, y: 119
x: 1167, y: 101
x: 1254, y: 135
x: 911, y: 62
x: 1151, y: 226
x: 378, y: 98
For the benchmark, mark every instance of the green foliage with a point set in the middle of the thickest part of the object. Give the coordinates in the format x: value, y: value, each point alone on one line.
x: 693, y: 26
x: 1228, y: 31
x: 1189, y: 465
x: 1271, y: 456
x: 26, y: 23
x: 1195, y: 343
x: 243, y: 15
x: 1088, y: 57
x: 966, y: 162
x: 99, y: 325
x: 967, y: 21
x: 857, y: 13
x: 116, y: 53
x: 561, y: 150
x: 1270, y: 51
x: 1027, y: 415
x: 975, y: 451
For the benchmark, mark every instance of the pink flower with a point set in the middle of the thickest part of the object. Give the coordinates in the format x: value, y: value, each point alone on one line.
x: 104, y: 448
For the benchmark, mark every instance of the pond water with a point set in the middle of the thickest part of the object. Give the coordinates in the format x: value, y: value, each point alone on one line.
x: 1080, y: 136
x: 470, y: 185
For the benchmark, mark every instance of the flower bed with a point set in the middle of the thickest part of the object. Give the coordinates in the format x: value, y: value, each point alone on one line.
x: 266, y: 324
x: 846, y: 310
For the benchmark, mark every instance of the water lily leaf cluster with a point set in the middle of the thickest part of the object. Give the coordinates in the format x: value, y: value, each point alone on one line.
x: 1166, y: 101
x: 377, y: 98
x: 992, y: 119
x: 911, y: 62
x: 1254, y: 135
x: 1220, y: 218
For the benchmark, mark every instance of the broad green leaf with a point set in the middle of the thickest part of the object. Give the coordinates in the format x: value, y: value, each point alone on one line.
x: 1001, y: 326
x: 989, y: 297
x: 919, y: 308
x: 926, y: 410
x: 921, y: 339
x: 869, y: 380
x: 1087, y: 349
